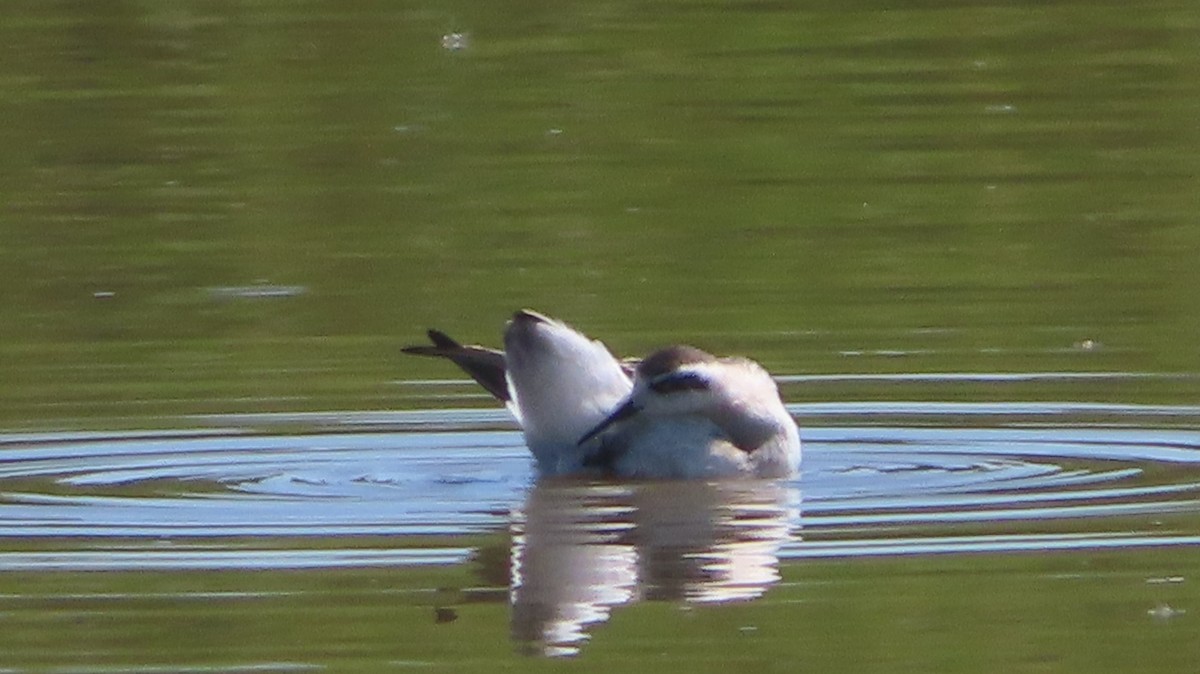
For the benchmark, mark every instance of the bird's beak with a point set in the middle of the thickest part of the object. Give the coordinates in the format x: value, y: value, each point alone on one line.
x: 625, y: 411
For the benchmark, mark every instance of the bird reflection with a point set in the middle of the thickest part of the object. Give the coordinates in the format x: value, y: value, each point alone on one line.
x: 579, y: 550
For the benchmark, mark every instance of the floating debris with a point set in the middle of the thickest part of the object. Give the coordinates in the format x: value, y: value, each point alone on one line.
x: 454, y: 41
x: 1164, y: 580
x: 1165, y: 612
x: 255, y: 292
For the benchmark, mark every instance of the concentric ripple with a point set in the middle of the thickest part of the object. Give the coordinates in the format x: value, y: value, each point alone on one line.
x: 885, y: 485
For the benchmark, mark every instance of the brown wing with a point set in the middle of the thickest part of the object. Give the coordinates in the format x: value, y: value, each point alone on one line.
x: 482, y: 364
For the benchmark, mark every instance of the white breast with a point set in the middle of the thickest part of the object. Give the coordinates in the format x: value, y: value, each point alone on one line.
x: 562, y: 385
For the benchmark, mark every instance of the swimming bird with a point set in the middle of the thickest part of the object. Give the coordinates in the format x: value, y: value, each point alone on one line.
x: 679, y: 413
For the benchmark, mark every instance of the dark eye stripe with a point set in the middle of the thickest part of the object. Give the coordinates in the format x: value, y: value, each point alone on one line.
x: 679, y: 381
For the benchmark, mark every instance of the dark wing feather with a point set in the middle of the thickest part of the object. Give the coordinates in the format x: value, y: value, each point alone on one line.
x: 482, y: 364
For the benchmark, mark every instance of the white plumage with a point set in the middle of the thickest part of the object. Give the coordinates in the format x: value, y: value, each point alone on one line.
x: 679, y: 413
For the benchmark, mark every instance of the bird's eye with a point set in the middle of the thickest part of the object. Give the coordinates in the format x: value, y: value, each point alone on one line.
x: 679, y: 381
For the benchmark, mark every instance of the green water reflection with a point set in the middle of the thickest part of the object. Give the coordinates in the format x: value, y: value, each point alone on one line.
x: 791, y: 181
x: 1017, y: 613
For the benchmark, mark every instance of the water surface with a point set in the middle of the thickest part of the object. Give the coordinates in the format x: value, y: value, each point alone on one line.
x: 964, y: 237
x: 443, y: 489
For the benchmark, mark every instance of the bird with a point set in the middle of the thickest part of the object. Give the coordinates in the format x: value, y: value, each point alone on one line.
x: 679, y: 413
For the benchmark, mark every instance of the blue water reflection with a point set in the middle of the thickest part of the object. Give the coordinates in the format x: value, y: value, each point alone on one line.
x: 344, y: 490
x: 464, y: 472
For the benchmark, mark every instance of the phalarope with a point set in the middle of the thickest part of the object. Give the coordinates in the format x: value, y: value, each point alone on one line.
x: 678, y: 413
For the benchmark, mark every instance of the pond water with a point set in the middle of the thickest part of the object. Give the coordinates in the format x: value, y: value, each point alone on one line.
x: 390, y: 493
x: 963, y: 238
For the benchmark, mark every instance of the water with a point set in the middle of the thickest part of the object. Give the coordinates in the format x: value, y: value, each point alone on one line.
x: 166, y: 487
x: 414, y: 489
x: 964, y: 237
